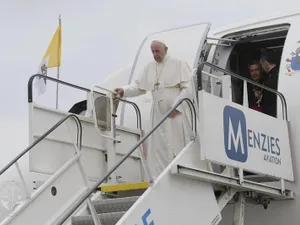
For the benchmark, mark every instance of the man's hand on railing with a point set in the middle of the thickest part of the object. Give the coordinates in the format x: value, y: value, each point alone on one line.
x: 174, y: 114
x: 119, y: 93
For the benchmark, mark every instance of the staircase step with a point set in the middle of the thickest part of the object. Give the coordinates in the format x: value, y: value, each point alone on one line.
x: 124, y: 187
x: 105, y: 219
x: 114, y: 205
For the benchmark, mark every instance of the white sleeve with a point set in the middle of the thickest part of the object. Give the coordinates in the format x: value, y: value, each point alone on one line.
x: 132, y: 90
x: 185, y: 84
x: 185, y: 71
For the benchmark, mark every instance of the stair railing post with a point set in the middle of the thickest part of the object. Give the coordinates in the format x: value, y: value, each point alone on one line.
x: 111, y: 153
x: 23, y: 180
x: 239, y: 209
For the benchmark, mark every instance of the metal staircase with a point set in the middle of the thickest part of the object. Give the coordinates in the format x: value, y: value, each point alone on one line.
x: 109, y: 210
x: 195, y: 168
x: 55, y: 190
x: 112, y: 217
x: 118, y: 199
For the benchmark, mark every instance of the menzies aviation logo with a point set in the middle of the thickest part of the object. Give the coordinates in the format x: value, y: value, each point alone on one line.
x: 235, y: 136
x: 240, y: 140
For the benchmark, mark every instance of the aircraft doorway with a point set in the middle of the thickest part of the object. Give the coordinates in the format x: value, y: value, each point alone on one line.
x: 248, y: 47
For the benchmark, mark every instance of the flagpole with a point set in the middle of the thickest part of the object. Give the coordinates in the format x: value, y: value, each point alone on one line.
x: 59, y: 21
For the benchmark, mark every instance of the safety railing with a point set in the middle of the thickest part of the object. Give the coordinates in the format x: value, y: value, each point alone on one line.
x: 246, y: 80
x: 92, y: 104
x: 81, y: 200
x: 280, y: 95
x: 112, y: 152
x: 15, y: 160
x: 136, y: 108
x: 30, y: 93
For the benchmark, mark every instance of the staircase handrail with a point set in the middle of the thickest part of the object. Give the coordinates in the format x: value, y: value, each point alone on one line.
x: 79, y: 139
x: 281, y: 96
x: 70, y: 210
x: 30, y: 94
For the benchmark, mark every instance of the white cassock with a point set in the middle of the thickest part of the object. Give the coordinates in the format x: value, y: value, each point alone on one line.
x: 167, y: 81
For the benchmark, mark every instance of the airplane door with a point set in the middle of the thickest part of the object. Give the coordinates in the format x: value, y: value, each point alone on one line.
x: 185, y: 43
x: 220, y: 58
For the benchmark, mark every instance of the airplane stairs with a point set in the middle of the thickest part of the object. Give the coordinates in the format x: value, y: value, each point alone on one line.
x: 223, y: 163
x: 111, y: 209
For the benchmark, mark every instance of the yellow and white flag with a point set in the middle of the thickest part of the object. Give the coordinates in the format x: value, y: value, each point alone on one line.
x: 52, y: 58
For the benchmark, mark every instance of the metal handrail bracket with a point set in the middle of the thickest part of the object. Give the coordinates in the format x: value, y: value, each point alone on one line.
x: 92, y: 104
x: 111, y: 154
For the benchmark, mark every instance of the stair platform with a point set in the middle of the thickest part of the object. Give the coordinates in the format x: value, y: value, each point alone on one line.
x: 263, y: 190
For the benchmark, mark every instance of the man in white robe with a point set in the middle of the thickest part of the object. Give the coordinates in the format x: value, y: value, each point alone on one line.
x: 168, y: 80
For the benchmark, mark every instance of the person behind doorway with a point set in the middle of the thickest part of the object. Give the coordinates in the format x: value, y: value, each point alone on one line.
x: 254, y: 92
x: 167, y: 78
x: 268, y: 63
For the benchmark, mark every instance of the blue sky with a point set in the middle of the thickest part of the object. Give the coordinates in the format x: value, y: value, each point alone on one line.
x: 99, y: 37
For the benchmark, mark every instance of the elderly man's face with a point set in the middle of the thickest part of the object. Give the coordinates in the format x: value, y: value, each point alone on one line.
x: 255, y: 72
x: 159, y: 51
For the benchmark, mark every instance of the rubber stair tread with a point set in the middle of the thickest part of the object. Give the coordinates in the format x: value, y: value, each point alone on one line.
x: 114, y: 205
x: 105, y: 218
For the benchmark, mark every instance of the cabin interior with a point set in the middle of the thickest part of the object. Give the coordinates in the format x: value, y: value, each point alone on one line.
x: 249, y: 46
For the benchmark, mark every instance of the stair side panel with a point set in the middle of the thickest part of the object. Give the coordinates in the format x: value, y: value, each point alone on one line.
x: 58, y: 193
x: 175, y: 199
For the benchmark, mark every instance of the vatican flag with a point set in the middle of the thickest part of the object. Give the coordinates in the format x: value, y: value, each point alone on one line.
x: 52, y: 58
